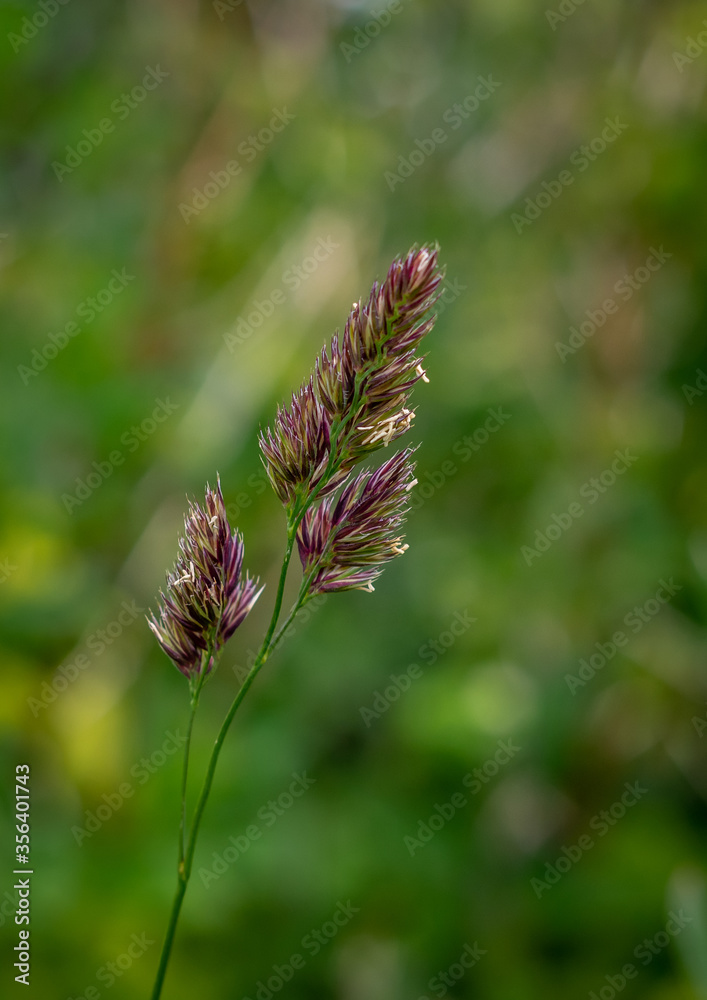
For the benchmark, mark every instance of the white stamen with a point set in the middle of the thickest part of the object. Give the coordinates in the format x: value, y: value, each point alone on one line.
x: 188, y: 576
x: 421, y: 372
x: 387, y: 428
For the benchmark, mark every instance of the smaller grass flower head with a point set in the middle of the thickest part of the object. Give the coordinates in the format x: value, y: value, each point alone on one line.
x: 206, y: 597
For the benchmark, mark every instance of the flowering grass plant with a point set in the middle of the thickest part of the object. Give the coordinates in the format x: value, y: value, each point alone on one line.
x: 345, y: 526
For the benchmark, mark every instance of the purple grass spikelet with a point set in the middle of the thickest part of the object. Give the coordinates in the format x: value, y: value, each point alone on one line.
x: 366, y: 376
x: 356, y: 402
x: 296, y: 450
x: 206, y: 596
x: 345, y: 543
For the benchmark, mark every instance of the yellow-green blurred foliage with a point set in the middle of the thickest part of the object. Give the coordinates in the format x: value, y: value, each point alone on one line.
x: 210, y: 326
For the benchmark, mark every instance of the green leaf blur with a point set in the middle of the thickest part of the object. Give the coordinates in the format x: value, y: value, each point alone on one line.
x: 488, y: 778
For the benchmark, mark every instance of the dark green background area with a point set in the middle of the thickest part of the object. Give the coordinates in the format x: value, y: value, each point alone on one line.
x: 212, y: 329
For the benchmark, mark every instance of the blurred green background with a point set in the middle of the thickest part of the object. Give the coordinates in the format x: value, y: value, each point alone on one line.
x: 193, y: 196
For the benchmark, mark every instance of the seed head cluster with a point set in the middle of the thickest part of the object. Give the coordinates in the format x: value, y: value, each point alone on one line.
x: 344, y: 543
x: 206, y: 597
x: 354, y: 403
x: 357, y: 400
